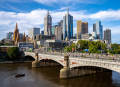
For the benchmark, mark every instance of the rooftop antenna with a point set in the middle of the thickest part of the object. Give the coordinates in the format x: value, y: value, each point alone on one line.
x: 48, y: 12
x: 67, y: 10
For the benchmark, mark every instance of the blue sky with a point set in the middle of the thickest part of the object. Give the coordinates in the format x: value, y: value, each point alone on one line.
x: 30, y: 13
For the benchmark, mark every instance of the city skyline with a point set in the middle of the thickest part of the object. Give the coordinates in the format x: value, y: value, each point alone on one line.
x: 35, y: 17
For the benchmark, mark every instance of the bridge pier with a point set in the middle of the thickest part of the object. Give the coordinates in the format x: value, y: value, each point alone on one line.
x: 65, y: 71
x: 36, y: 62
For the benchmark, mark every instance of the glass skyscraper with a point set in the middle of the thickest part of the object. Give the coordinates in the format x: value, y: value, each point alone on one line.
x: 53, y: 29
x: 67, y: 26
x: 98, y: 28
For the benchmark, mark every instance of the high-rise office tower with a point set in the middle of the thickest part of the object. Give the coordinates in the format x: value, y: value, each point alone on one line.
x: 47, y: 24
x: 53, y: 29
x: 67, y: 26
x: 58, y: 33
x: 82, y: 28
x: 94, y: 27
x: 107, y: 35
x: 98, y: 28
x: 79, y: 28
x: 34, y: 31
x: 60, y: 24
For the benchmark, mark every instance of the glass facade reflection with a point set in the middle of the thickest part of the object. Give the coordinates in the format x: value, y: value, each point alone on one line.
x: 67, y: 26
x: 99, y: 30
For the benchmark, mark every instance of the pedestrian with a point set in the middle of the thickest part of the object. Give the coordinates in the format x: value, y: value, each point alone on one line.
x: 113, y: 58
x: 118, y: 59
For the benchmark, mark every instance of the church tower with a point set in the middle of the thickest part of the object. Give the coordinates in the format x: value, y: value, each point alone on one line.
x: 24, y: 38
x: 16, y: 35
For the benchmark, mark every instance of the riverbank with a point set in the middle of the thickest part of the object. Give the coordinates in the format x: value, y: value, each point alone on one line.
x: 9, y: 62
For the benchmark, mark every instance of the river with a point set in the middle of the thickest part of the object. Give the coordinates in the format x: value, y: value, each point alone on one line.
x: 49, y: 77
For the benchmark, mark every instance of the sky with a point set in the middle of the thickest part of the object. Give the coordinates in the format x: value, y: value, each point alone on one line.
x: 31, y: 13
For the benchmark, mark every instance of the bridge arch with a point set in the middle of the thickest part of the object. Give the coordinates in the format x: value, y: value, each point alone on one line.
x: 29, y: 57
x: 30, y: 54
x: 57, y: 61
x: 109, y: 67
x: 43, y: 56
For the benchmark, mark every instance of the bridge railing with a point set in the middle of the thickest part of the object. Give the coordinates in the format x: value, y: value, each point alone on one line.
x: 86, y: 54
x: 83, y: 56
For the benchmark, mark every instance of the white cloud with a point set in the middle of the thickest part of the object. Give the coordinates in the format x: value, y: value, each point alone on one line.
x: 115, y: 30
x: 106, y: 15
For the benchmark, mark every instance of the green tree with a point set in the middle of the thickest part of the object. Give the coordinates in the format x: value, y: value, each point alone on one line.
x: 13, y: 52
x: 115, y: 51
x: 83, y: 44
x: 69, y: 48
x: 114, y: 46
x: 6, y: 44
x: 104, y: 46
x: 93, y: 48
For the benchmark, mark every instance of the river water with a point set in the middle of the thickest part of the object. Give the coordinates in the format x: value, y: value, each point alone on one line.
x: 49, y: 77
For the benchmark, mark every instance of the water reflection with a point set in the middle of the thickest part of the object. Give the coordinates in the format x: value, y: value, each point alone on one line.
x: 49, y: 77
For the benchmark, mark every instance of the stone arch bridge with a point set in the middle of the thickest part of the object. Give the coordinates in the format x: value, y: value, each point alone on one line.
x: 69, y: 63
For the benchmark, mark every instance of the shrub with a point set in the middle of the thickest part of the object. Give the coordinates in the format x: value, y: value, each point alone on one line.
x: 13, y: 52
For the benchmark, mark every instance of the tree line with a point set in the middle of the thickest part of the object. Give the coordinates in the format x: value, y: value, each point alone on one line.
x: 12, y: 54
x: 94, y: 47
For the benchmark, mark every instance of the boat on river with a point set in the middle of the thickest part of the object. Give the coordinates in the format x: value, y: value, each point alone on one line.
x: 20, y: 75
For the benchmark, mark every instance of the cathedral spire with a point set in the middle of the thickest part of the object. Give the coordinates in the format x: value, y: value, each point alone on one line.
x: 24, y: 34
x: 16, y: 27
x: 24, y: 38
x: 16, y: 35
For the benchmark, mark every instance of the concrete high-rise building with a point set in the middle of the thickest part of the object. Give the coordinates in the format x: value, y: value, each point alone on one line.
x: 34, y: 31
x: 47, y: 24
x: 53, y: 29
x: 60, y: 24
x: 107, y: 35
x: 58, y: 33
x: 9, y: 35
x: 94, y: 27
x: 98, y: 28
x: 82, y: 28
x: 79, y: 29
x: 67, y: 26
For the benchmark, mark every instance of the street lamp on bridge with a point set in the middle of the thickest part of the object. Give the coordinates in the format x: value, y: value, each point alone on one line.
x: 75, y: 48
